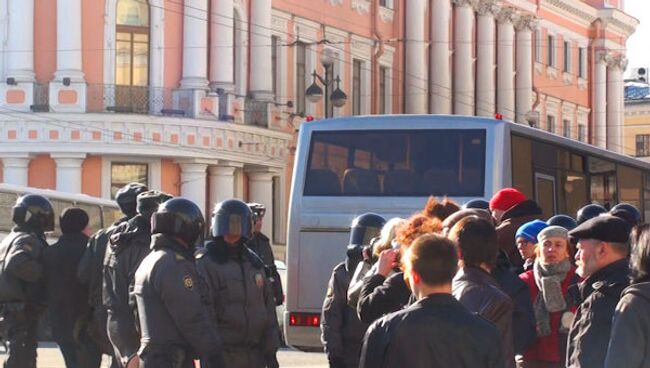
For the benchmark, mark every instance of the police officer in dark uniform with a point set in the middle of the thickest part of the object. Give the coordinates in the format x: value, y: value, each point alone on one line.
x: 261, y: 245
x: 242, y: 298
x: 129, y: 244
x: 21, y: 288
x: 90, y: 270
x: 171, y: 297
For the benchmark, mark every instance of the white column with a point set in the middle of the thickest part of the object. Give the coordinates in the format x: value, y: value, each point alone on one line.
x: 260, y: 190
x: 68, y: 171
x: 524, y: 74
x: 415, y: 75
x: 485, y: 50
x: 222, y: 183
x: 600, y: 100
x: 20, y: 41
x: 261, y: 78
x: 193, y: 183
x: 464, y: 58
x: 68, y: 38
x: 195, y: 44
x: 221, y: 44
x: 506, y: 65
x: 614, y: 97
x: 440, y: 81
x: 16, y: 169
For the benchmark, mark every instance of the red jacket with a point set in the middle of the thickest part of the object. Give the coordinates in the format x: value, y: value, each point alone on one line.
x: 547, y: 348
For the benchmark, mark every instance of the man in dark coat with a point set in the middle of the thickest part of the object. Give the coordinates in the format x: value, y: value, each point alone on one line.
x: 66, y: 296
x: 511, y: 209
x: 603, y: 247
x: 437, y: 330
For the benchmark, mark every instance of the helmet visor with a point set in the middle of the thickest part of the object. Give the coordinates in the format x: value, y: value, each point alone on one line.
x: 362, y: 235
x: 231, y: 224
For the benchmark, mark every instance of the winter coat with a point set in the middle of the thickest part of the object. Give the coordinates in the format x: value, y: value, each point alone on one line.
x: 479, y: 292
x: 511, y: 220
x: 66, y: 296
x: 260, y: 244
x: 342, y: 331
x: 436, y: 331
x: 551, y: 348
x: 380, y: 296
x: 21, y: 267
x: 629, y: 345
x: 589, y: 334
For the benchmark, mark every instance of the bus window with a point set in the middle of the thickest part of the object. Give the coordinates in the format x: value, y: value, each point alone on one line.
x: 396, y: 163
x: 94, y: 216
x: 629, y: 185
x: 603, y: 182
x: 7, y: 201
x: 545, y: 194
x: 522, y: 168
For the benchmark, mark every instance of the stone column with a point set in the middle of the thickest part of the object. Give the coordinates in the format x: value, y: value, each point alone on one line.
x: 260, y: 190
x: 415, y: 75
x: 464, y: 58
x: 222, y: 182
x: 221, y: 45
x: 525, y: 26
x: 440, y: 81
x: 615, y: 67
x: 485, y: 50
x: 20, y: 42
x: 600, y: 100
x: 261, y: 72
x: 195, y: 44
x: 16, y: 169
x: 68, y: 171
x: 193, y: 183
x: 506, y: 64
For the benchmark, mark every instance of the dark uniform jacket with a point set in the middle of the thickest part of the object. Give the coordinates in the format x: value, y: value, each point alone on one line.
x: 260, y: 244
x: 342, y: 331
x: 511, y: 221
x: 479, y: 292
x: 66, y: 296
x: 380, y: 296
x: 173, y: 305
x: 22, y: 267
x: 242, y: 302
x: 436, y: 331
x: 629, y: 345
x: 589, y: 334
x: 129, y: 245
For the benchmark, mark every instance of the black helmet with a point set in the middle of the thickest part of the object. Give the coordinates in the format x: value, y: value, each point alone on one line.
x: 179, y: 217
x: 364, y: 228
x: 564, y: 221
x: 589, y: 211
x: 627, y: 212
x: 232, y: 216
x: 477, y: 203
x: 258, y: 210
x: 34, y: 212
x: 149, y: 201
x: 126, y: 197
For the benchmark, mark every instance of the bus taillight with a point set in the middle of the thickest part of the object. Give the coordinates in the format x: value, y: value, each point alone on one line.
x: 304, y: 319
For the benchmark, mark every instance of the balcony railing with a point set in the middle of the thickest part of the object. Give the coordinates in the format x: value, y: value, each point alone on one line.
x: 131, y: 99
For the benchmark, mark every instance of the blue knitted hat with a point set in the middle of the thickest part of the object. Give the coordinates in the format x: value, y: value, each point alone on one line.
x: 530, y: 230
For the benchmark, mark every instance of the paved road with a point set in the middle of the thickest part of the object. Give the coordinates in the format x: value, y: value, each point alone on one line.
x: 50, y: 357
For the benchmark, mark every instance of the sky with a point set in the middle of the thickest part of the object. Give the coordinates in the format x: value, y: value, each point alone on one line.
x: 638, y: 46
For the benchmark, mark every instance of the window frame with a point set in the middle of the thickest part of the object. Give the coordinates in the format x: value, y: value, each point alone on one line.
x: 567, y: 57
x: 551, y: 52
x: 357, y: 81
x: 642, y: 145
x: 538, y: 46
x: 550, y: 123
x: 582, y: 62
x: 301, y: 77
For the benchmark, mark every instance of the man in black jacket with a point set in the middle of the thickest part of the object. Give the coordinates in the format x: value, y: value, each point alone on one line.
x: 436, y: 331
x: 66, y: 296
x: 603, y: 247
x: 129, y: 244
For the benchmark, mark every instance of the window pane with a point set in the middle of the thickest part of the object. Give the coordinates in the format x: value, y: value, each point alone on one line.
x: 301, y: 56
x: 140, y: 64
x: 124, y: 173
x: 274, y: 65
x: 133, y: 13
x: 383, y: 74
x: 141, y: 37
x: 603, y: 182
x: 397, y: 163
x: 356, y: 88
x: 630, y: 184
x: 567, y: 128
x: 123, y: 65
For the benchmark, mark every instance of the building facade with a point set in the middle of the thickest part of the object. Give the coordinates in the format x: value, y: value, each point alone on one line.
x: 202, y: 98
x: 637, y: 118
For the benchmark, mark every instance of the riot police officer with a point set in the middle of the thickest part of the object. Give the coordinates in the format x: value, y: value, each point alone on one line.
x: 242, y: 298
x: 90, y: 270
x: 21, y: 288
x: 341, y: 330
x: 170, y: 295
x: 261, y: 245
x: 129, y: 244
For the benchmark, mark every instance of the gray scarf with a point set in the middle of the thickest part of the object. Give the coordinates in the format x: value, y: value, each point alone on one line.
x: 548, y: 278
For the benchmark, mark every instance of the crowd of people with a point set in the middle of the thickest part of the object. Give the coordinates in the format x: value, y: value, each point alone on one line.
x: 149, y: 290
x: 492, y: 284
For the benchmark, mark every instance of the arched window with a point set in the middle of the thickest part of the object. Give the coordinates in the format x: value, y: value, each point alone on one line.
x: 132, y: 55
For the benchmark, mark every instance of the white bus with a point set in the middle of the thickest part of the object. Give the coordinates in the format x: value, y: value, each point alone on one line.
x: 101, y: 212
x: 391, y: 164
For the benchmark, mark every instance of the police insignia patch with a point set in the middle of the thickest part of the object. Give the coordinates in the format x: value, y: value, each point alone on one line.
x: 259, y: 280
x: 188, y: 282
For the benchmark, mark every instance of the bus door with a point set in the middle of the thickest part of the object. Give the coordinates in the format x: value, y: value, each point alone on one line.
x: 545, y: 194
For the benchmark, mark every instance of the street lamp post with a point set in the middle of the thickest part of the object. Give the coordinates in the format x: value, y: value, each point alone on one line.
x: 314, y: 92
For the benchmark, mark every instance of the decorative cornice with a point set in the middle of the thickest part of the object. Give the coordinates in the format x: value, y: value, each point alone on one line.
x: 507, y: 15
x: 616, y: 61
x: 487, y: 7
x: 361, y: 6
x: 465, y: 3
x: 568, y: 7
x: 526, y: 22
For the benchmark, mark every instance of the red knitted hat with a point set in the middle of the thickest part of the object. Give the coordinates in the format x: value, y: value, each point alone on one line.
x: 506, y: 198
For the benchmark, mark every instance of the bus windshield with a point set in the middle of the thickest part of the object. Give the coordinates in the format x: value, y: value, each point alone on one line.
x: 408, y: 163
